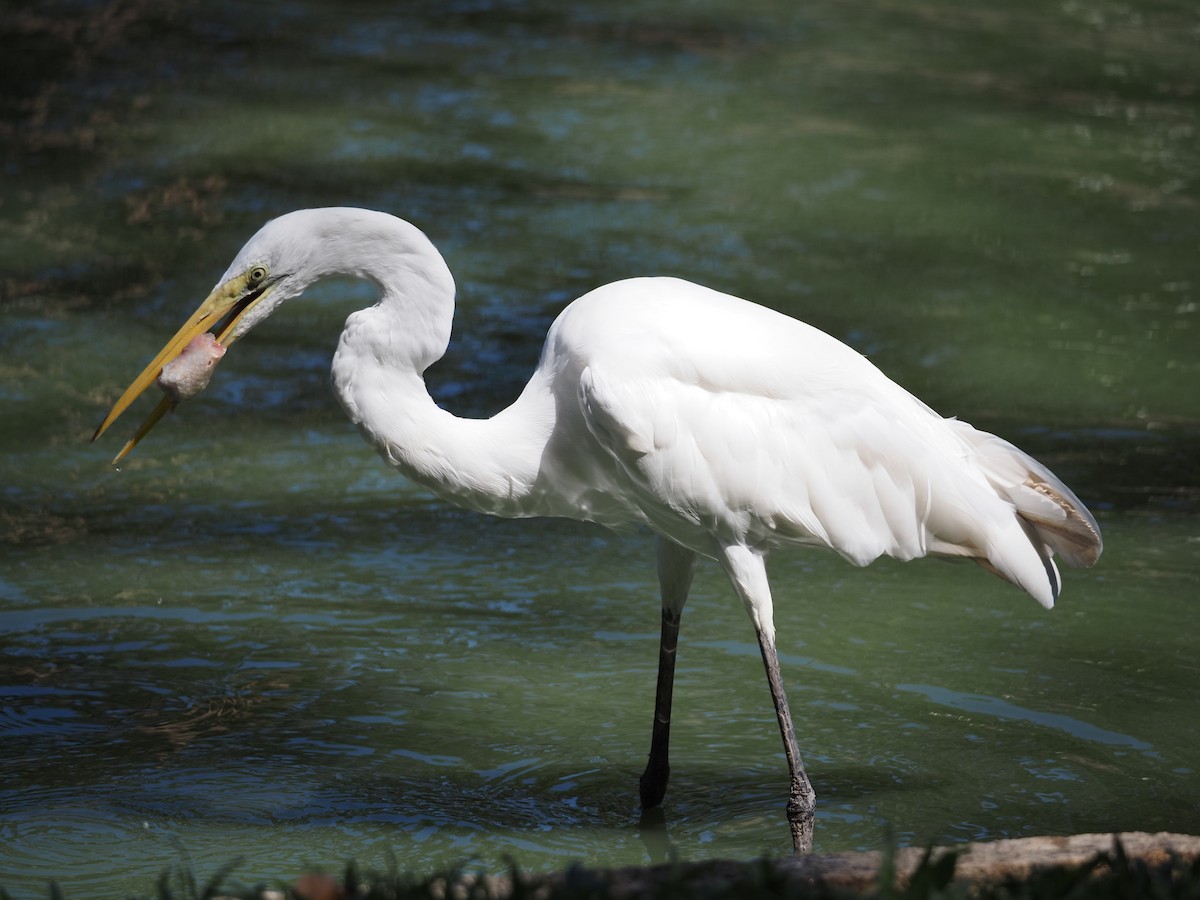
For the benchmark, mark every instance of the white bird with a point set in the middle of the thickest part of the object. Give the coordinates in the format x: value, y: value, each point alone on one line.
x: 729, y: 429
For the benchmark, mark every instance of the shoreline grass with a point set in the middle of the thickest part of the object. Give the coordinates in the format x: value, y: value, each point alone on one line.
x: 1112, y: 874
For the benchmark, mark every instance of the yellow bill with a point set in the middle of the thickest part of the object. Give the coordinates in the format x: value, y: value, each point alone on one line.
x: 220, y: 311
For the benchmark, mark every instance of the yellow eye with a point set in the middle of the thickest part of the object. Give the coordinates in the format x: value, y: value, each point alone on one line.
x: 257, y: 274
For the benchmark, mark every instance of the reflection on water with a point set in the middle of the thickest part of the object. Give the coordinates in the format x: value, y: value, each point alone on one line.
x: 255, y: 642
x: 1001, y: 709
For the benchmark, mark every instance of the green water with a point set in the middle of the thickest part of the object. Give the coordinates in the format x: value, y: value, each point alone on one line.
x: 255, y: 642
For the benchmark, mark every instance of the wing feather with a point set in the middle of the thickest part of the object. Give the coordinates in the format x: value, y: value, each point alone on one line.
x: 733, y: 422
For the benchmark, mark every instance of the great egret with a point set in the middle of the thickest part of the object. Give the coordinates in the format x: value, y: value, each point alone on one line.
x: 729, y: 429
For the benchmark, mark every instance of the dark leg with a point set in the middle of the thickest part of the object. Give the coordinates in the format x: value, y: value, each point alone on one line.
x: 747, y: 571
x: 675, y: 567
x: 802, y: 799
x: 653, y: 783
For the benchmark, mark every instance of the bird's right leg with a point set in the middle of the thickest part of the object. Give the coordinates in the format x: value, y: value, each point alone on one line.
x: 675, y: 568
x: 747, y: 570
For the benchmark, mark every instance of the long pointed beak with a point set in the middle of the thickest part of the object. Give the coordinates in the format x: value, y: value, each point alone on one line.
x: 229, y: 301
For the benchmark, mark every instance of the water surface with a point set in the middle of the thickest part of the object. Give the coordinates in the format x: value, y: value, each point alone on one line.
x: 255, y: 642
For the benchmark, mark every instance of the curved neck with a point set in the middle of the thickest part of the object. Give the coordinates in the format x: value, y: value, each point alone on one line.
x: 416, y: 289
x: 487, y: 464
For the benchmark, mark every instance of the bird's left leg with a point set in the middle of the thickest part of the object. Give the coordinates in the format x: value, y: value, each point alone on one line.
x: 676, y: 565
x: 747, y: 570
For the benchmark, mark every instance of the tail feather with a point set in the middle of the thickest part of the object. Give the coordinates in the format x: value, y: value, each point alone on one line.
x: 1015, y: 553
x: 1057, y: 518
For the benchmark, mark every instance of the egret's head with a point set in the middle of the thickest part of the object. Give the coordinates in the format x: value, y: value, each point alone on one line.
x: 261, y: 277
x: 286, y: 256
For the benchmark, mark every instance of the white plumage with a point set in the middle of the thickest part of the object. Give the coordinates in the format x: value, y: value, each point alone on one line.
x: 729, y: 429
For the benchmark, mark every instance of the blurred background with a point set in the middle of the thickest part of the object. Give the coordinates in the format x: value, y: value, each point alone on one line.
x: 255, y: 643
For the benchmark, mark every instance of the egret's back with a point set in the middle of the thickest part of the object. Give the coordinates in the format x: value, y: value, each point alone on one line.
x: 732, y: 423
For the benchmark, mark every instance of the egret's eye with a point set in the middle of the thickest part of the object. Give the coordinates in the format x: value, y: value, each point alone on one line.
x: 258, y: 274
